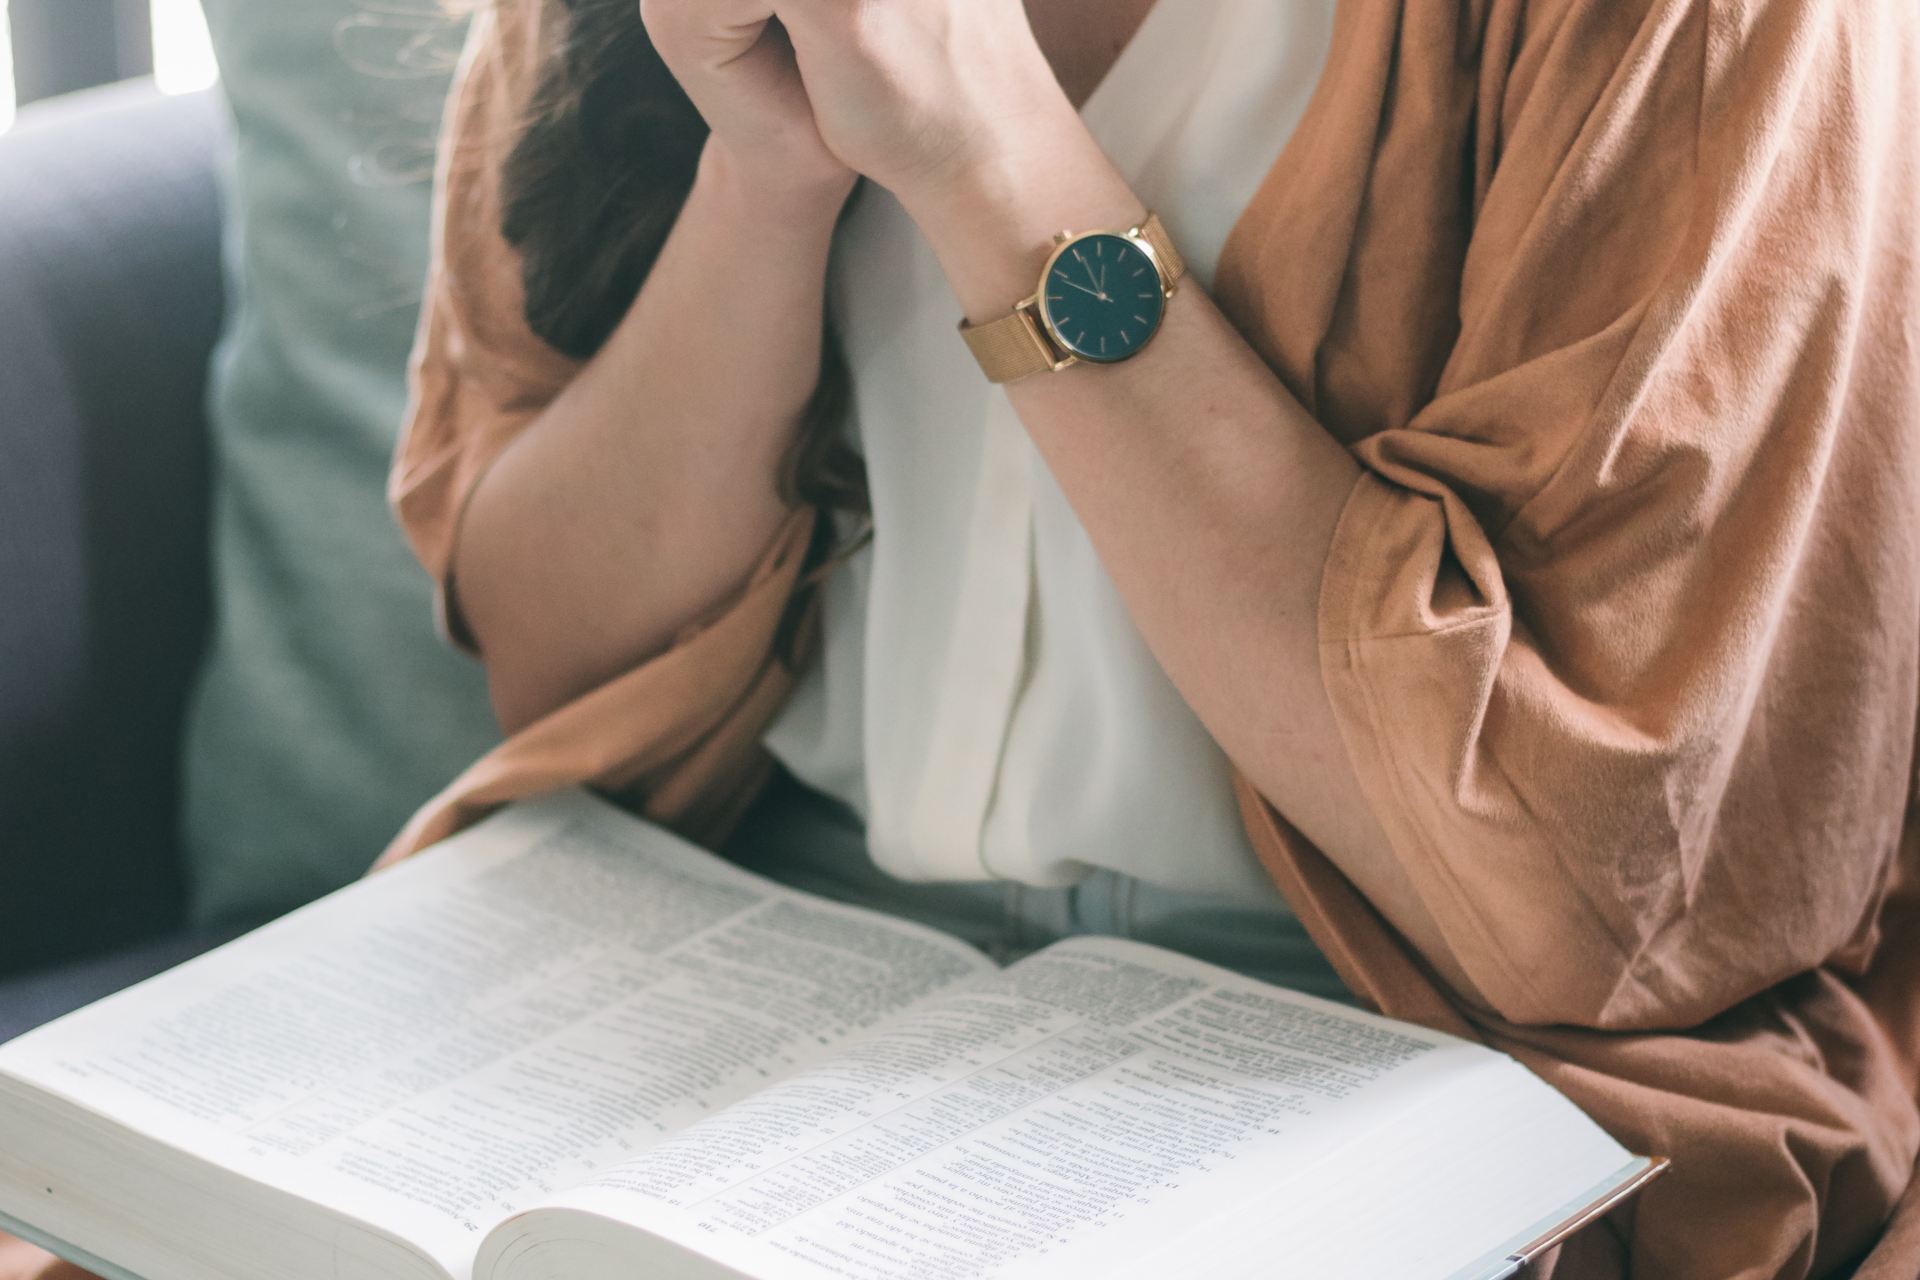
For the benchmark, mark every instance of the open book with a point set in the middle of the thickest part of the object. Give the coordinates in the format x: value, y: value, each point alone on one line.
x: 567, y: 1045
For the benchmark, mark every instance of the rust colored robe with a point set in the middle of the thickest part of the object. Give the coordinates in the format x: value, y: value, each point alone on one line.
x: 1617, y: 304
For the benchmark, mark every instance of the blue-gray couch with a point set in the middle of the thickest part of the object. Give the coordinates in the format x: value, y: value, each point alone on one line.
x: 110, y: 305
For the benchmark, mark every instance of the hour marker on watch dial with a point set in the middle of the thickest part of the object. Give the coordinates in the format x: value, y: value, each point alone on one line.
x: 1106, y: 325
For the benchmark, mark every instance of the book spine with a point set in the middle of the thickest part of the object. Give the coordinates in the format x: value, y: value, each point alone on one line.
x: 1519, y: 1258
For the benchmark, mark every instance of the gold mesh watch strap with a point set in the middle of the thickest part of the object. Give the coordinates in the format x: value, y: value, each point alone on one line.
x: 1012, y: 347
x: 1016, y: 346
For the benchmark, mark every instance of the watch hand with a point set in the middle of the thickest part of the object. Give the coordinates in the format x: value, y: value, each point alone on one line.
x: 1103, y: 279
x: 1082, y: 288
x: 1097, y: 291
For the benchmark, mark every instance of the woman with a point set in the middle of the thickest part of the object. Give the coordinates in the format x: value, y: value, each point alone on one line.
x: 1518, y: 507
x: 1507, y: 545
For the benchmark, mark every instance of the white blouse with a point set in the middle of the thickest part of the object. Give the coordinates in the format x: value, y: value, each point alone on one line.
x: 983, y: 699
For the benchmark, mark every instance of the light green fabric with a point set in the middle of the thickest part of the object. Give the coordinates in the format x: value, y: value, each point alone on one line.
x: 329, y: 709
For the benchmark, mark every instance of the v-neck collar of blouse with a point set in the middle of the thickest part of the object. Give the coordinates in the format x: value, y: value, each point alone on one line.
x: 1155, y: 75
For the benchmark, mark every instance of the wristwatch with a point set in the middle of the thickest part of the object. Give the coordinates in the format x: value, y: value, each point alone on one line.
x: 1101, y: 299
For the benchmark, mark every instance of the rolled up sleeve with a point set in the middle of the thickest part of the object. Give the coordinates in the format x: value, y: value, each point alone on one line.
x: 1619, y: 628
x: 479, y: 375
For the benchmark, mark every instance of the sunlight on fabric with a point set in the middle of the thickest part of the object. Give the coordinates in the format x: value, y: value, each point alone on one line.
x: 182, y: 53
x: 6, y: 68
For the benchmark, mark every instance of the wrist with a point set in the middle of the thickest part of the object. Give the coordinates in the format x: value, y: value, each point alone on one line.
x: 992, y: 221
x: 783, y: 206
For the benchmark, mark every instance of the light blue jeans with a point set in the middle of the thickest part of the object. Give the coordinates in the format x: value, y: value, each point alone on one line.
x: 811, y: 841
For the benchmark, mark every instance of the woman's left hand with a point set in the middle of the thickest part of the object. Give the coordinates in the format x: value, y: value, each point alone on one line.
x: 22, y: 1261
x: 919, y: 94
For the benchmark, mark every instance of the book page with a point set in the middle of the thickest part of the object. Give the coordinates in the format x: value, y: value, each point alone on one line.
x: 1092, y: 1101
x: 533, y: 1002
x: 1080, y: 1110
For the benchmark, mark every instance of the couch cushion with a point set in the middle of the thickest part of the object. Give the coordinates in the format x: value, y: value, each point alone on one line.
x: 329, y: 709
x: 109, y: 303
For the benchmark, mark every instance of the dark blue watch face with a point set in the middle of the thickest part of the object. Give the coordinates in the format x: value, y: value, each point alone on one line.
x: 1102, y: 299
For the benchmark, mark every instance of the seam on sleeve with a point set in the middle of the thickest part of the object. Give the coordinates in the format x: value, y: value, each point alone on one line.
x: 1626, y: 949
x: 1338, y: 575
x: 1463, y: 902
x: 1339, y: 597
x: 453, y: 622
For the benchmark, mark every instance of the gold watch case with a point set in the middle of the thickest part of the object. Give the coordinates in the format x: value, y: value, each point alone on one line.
x: 1023, y: 343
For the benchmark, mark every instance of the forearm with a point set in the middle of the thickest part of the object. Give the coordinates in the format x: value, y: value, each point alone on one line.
x: 1209, y: 491
x: 642, y: 498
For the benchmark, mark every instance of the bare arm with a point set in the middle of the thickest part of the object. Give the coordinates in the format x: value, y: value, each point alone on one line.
x: 644, y: 495
x: 1212, y: 496
x: 1209, y: 491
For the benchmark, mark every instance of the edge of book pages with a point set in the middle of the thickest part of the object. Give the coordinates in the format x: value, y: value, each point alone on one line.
x: 1513, y: 1256
x: 1507, y: 1260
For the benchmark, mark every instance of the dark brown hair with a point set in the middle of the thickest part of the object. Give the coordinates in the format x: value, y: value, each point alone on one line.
x: 604, y: 163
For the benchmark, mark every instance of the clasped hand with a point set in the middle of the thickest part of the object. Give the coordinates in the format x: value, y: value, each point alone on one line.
x: 21, y: 1261
x: 916, y: 95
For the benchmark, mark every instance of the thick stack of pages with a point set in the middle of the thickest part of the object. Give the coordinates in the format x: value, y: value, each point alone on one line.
x: 567, y: 1045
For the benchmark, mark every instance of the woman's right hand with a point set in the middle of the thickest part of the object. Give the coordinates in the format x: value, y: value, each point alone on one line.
x: 736, y: 64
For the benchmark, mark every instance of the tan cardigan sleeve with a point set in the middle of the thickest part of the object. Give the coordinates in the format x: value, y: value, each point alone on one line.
x: 681, y: 730
x: 1619, y: 625
x: 479, y: 375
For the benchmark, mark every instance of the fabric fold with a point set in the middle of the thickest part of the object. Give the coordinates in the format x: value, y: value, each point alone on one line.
x: 1613, y: 302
